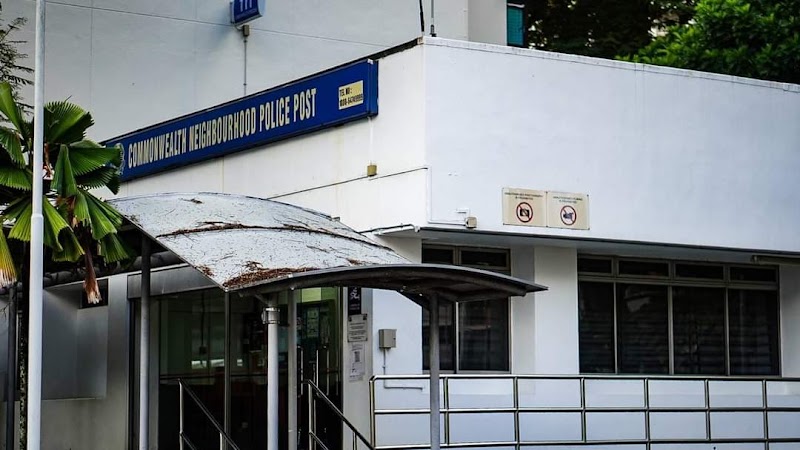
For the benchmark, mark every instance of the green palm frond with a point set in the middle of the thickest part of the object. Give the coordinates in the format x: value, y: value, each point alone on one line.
x: 8, y: 271
x: 11, y: 142
x: 56, y: 229
x: 81, y: 210
x: 114, y: 249
x: 71, y: 249
x: 16, y: 178
x: 63, y: 176
x: 104, y: 218
x: 107, y: 176
x: 114, y: 184
x: 9, y: 107
x: 65, y: 122
x: 87, y: 156
x: 19, y: 213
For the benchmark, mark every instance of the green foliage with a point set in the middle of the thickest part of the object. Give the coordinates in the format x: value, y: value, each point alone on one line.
x: 756, y: 39
x: 76, y: 223
x: 12, y: 71
x: 603, y: 28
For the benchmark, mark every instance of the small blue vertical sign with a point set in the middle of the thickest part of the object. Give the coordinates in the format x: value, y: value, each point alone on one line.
x: 244, y: 11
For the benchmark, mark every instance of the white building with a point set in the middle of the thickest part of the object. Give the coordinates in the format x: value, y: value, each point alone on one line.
x: 658, y: 205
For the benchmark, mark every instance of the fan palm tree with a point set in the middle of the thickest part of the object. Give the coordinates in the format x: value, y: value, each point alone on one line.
x: 77, y: 224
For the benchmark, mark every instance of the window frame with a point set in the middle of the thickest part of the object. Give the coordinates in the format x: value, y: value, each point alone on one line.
x: 506, y: 270
x: 672, y: 281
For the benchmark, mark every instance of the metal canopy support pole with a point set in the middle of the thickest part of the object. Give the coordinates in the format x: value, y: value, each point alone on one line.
x: 144, y: 348
x: 34, y: 419
x: 272, y: 319
x: 292, y: 376
x: 228, y: 367
x: 433, y: 359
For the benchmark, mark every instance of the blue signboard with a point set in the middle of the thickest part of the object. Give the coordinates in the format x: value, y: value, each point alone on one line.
x: 330, y: 98
x: 243, y: 11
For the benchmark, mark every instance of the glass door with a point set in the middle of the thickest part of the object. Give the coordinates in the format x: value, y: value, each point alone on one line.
x: 319, y: 329
x: 192, y: 348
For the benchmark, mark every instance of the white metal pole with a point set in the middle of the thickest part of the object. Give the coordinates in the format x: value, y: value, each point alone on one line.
x: 433, y: 352
x: 144, y: 349
x: 273, y: 392
x: 37, y: 236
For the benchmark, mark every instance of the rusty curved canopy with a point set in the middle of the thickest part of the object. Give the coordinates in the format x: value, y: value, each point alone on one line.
x: 252, y: 244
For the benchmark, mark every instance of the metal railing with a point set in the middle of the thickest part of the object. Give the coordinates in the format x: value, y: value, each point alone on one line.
x: 581, y: 405
x: 224, y: 440
x: 314, y: 393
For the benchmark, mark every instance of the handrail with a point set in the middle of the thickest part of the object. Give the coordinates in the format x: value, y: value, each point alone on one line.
x: 224, y: 438
x: 314, y: 389
x: 508, y: 376
x: 188, y: 441
x: 763, y: 406
x: 318, y: 441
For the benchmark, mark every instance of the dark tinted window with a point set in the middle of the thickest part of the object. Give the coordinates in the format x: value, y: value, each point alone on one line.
x: 447, y: 337
x: 642, y: 334
x: 644, y: 268
x: 483, y: 335
x: 477, y: 258
x: 483, y: 325
x: 756, y: 274
x: 437, y: 255
x: 753, y: 322
x: 593, y: 265
x: 699, y: 271
x: 698, y: 323
x: 596, y: 327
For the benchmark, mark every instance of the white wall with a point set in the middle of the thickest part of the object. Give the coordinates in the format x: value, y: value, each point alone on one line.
x: 555, y: 320
x: 86, y: 423
x: 468, y: 20
x: 667, y: 156
x: 487, y: 21
x: 135, y: 63
x: 523, y: 314
x: 790, y: 320
x: 326, y: 171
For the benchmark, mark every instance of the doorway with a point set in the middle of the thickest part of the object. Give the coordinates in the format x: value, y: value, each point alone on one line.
x: 192, y: 340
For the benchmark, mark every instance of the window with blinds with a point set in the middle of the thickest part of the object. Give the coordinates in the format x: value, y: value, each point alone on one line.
x: 473, y: 336
x: 668, y: 317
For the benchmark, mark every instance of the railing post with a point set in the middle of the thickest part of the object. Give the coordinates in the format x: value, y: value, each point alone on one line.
x: 646, y: 382
x: 708, y: 408
x: 311, y: 428
x: 446, y: 395
x: 221, y: 442
x: 372, y: 430
x: 515, y: 379
x: 765, y: 405
x: 180, y: 419
x: 583, y: 409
